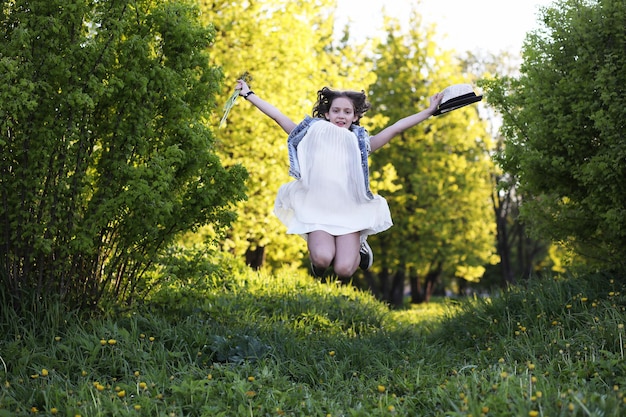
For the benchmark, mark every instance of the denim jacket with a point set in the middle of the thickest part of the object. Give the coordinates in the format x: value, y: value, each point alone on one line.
x: 297, y: 134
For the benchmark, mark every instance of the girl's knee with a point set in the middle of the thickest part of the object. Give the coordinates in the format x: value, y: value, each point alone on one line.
x: 322, y: 258
x: 344, y: 269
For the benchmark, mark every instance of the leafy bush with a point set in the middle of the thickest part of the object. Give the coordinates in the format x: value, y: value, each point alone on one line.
x: 104, y: 154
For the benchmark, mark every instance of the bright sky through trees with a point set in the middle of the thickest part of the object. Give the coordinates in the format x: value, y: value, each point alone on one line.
x: 491, y: 25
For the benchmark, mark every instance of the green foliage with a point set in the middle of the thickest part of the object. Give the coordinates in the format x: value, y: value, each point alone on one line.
x: 104, y: 156
x: 242, y: 343
x: 440, y: 206
x: 564, y: 123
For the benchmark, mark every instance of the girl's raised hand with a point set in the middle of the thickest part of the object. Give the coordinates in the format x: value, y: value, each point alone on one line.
x: 242, y: 86
x: 435, y: 100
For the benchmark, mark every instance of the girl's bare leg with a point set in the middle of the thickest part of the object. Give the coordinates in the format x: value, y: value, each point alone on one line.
x: 347, y: 255
x: 321, y: 249
x: 340, y: 251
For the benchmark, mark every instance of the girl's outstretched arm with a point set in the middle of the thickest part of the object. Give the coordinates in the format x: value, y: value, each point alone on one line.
x: 283, y: 121
x: 388, y: 133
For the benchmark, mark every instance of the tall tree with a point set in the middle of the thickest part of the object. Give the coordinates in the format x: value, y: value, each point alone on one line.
x: 104, y: 158
x: 564, y: 123
x: 441, y: 208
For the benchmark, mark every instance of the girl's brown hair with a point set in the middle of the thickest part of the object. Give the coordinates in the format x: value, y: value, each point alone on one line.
x: 325, y: 98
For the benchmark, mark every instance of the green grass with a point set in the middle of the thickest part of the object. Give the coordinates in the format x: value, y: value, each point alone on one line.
x: 255, y: 345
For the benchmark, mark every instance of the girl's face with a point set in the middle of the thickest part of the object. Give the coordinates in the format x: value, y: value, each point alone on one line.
x: 341, y: 112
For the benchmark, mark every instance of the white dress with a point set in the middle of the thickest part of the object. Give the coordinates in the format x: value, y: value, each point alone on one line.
x: 330, y: 194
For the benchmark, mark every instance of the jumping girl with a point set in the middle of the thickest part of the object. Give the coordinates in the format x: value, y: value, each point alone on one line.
x: 330, y: 203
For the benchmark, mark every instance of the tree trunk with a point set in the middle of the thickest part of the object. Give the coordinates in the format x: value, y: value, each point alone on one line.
x: 255, y: 258
x: 396, y: 294
x: 416, y: 288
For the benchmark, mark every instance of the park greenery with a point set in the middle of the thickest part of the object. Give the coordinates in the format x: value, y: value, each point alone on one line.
x: 242, y: 343
x: 142, y: 271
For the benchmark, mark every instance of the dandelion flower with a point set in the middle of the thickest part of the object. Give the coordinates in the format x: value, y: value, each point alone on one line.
x: 137, y: 407
x: 112, y: 341
x: 251, y: 378
x: 533, y: 413
x: 381, y: 388
x: 331, y: 353
x: 44, y: 372
x: 53, y: 410
x: 121, y: 393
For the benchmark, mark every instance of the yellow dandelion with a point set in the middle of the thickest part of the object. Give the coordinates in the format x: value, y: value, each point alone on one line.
x: 142, y: 336
x: 391, y: 408
x: 484, y: 410
x: 100, y: 387
x: 568, y: 306
x: 57, y: 338
x: 251, y: 379
x: 620, y: 326
x: 250, y: 393
x: 54, y: 410
x: 151, y: 339
x: 83, y: 373
x: 112, y: 341
x: 34, y: 410
x: 331, y: 353
x: 615, y: 387
x: 571, y: 407
x: 209, y: 376
x: 136, y: 373
x: 103, y: 342
x: 137, y: 407
x: 539, y: 394
x: 504, y: 374
x: 612, y: 293
x: 381, y: 388
x: 121, y: 393
x: 34, y: 376
x: 501, y: 360
x: 44, y: 372
x: 461, y: 395
x: 143, y: 385
x: 533, y: 413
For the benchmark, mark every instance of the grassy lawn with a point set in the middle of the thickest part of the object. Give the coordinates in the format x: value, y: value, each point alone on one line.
x: 257, y: 345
